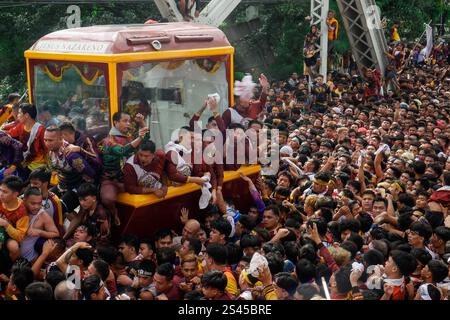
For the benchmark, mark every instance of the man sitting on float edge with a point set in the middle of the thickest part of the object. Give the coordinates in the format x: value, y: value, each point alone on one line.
x: 72, y: 168
x: 143, y: 171
x: 117, y: 147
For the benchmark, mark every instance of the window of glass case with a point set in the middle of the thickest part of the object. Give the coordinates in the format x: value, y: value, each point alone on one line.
x: 75, y: 92
x: 168, y: 93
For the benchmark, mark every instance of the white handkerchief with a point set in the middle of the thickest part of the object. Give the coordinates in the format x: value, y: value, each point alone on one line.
x: 258, y: 261
x: 206, y: 194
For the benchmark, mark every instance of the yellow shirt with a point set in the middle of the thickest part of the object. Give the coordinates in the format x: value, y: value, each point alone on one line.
x: 395, y: 35
x: 231, y: 288
x: 5, y: 113
x: 333, y: 33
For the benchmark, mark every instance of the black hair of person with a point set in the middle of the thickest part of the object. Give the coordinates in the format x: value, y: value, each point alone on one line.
x: 87, y: 189
x: 21, y: 277
x: 373, y: 257
x: 91, y: 284
x: 366, y: 221
x: 351, y: 247
x: 39, y: 291
x: 286, y: 281
x: 130, y: 241
x: 102, y: 268
x: 406, y: 199
x: 421, y: 255
x: 166, y: 255
x: 29, y: 109
x: 214, y: 279
x: 423, y: 229
x: 32, y: 191
x: 54, y: 277
x: 291, y: 250
x: 166, y: 270
x: 307, y: 291
x: 308, y: 251
x: 222, y: 226
x: 195, y: 245
x: 438, y: 269
x: 117, y: 116
x: 276, y: 247
x: 41, y: 174
x: 147, y: 145
x: 349, y: 224
x: 108, y: 253
x: 85, y: 255
x: 305, y: 271
x: 275, y: 261
x: 443, y: 233
x: 234, y: 253
x: 406, y: 262
x: 249, y: 241
x: 217, y: 252
x: 13, y: 183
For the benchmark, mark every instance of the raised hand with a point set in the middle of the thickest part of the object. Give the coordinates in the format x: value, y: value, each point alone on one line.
x: 282, y: 233
x: 245, y: 178
x: 213, y: 105
x: 184, y: 215
x: 313, y: 234
x: 143, y: 131
x: 355, y: 275
x: 83, y: 245
x: 265, y: 276
x: 140, y: 120
x: 48, y: 247
x: 264, y: 82
x: 71, y: 149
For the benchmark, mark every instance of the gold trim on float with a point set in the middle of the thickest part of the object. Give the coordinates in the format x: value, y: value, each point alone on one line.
x: 129, y: 57
x: 139, y: 200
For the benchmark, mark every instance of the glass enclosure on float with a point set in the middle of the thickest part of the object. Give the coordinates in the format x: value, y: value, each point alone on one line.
x: 168, y: 93
x: 86, y: 75
x: 72, y: 92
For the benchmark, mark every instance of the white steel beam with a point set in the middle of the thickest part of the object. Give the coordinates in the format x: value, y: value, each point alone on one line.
x: 217, y: 11
x: 362, y: 23
x: 319, y: 12
x: 214, y: 14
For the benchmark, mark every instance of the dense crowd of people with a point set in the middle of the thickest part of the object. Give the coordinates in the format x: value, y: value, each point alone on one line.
x: 358, y: 209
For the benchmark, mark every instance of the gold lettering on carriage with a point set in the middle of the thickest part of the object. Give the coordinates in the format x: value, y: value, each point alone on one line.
x: 72, y: 46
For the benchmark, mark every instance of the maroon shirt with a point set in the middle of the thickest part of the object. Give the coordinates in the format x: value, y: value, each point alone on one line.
x: 220, y: 124
x: 171, y: 169
x: 174, y: 293
x: 254, y: 109
x: 130, y: 178
x: 235, y: 165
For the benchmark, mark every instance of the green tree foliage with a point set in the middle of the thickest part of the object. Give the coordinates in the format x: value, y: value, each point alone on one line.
x: 412, y: 14
x: 283, y: 28
x: 22, y: 26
